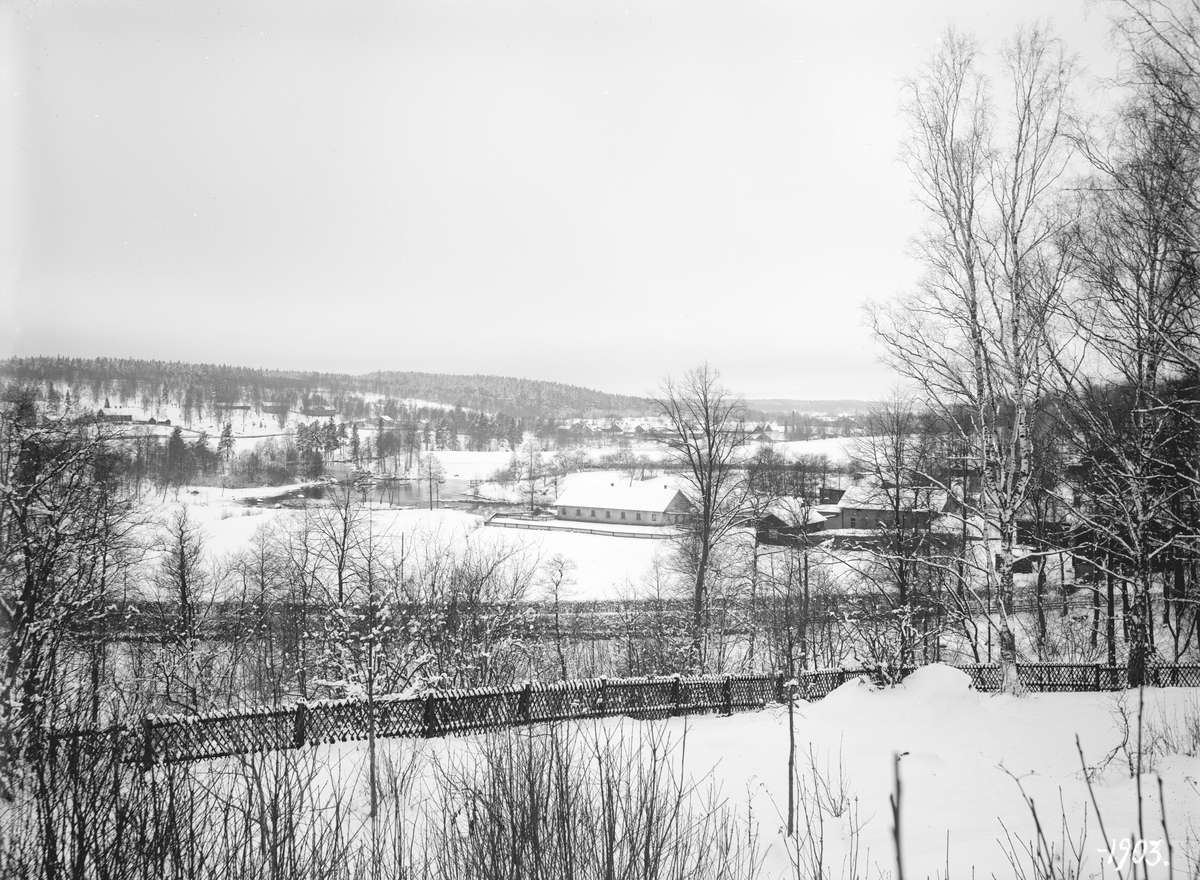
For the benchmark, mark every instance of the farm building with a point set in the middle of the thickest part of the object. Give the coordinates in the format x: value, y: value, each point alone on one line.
x: 781, y: 525
x: 102, y: 416
x: 870, y: 504
x: 646, y: 503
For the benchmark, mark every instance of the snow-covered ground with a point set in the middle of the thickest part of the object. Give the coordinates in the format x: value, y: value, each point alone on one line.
x: 603, y: 567
x: 838, y: 449
x: 548, y: 489
x: 226, y: 522
x: 966, y: 761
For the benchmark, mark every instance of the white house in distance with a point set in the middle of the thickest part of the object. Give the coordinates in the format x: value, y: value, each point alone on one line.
x: 645, y: 503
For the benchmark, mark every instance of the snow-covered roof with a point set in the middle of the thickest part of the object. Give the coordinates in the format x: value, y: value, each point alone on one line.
x: 795, y: 513
x: 869, y: 495
x: 651, y: 495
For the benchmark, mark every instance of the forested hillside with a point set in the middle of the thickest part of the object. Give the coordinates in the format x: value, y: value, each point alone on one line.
x: 130, y: 382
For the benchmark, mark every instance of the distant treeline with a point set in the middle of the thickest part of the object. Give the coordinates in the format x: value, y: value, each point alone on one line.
x: 204, y: 387
x: 783, y: 408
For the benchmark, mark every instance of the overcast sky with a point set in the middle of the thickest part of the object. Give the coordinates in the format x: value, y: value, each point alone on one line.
x: 589, y: 192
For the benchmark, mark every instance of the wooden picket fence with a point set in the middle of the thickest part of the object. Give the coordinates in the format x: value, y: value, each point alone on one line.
x: 172, y: 739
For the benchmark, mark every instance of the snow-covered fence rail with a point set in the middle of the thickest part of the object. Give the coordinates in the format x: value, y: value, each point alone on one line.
x: 171, y: 739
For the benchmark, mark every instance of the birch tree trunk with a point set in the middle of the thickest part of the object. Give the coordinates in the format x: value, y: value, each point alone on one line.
x: 988, y: 167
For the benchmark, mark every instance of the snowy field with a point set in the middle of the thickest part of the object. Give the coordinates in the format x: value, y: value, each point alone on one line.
x: 603, y: 567
x: 969, y: 765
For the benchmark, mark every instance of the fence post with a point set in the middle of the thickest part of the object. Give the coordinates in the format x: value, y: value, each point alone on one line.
x: 525, y: 702
x: 147, y: 744
x: 602, y: 703
x: 780, y: 695
x: 1097, y: 665
x: 428, y: 716
x: 676, y: 694
x: 300, y: 726
x: 728, y: 694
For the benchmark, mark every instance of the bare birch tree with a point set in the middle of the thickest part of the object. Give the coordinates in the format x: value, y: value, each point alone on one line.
x: 988, y: 167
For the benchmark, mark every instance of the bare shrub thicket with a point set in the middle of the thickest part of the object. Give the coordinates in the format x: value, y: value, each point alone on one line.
x: 1150, y: 733
x: 1059, y: 850
x: 799, y: 620
x: 558, y: 802
x: 325, y: 603
x: 825, y: 807
x: 567, y: 801
x: 261, y: 815
x: 654, y: 631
